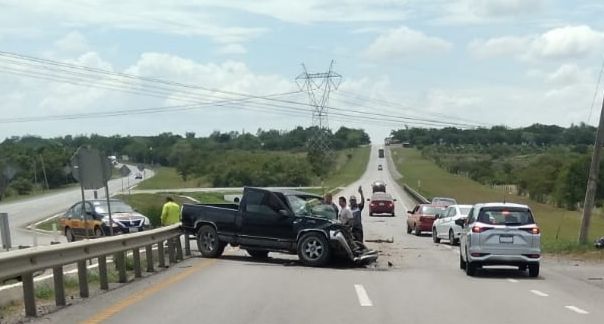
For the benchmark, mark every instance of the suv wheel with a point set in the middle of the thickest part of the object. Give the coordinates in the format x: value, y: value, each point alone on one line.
x: 258, y: 254
x: 434, y: 236
x: 314, y: 250
x: 470, y: 267
x: 208, y: 242
x: 452, y: 239
x: 533, y: 270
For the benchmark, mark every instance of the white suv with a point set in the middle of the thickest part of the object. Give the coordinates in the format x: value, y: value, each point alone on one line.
x: 500, y: 234
x: 444, y: 226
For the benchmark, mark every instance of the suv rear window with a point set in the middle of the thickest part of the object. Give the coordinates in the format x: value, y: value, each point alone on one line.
x: 506, y: 216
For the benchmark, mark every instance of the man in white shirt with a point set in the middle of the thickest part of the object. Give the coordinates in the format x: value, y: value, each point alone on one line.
x: 345, y: 216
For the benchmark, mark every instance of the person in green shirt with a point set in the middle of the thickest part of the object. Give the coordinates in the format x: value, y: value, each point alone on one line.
x: 170, y: 213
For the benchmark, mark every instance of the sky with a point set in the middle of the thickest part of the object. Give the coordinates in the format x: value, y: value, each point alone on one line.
x: 403, y: 63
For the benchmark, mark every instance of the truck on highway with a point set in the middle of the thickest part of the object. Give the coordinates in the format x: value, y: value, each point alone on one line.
x: 274, y: 221
x: 381, y: 152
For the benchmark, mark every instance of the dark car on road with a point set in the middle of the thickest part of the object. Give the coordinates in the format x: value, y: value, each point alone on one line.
x: 422, y: 217
x: 274, y: 221
x: 94, y: 221
x: 381, y: 203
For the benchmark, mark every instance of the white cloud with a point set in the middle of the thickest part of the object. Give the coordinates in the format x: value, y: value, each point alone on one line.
x: 73, y: 42
x: 569, y: 74
x: 463, y: 12
x: 232, y: 49
x: 405, y: 42
x: 569, y: 42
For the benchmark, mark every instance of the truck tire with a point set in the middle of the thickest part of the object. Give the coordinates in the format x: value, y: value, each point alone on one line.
x: 208, y: 242
x: 257, y: 254
x: 314, y: 250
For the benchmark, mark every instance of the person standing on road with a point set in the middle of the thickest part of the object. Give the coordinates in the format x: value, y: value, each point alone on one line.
x: 345, y: 215
x: 170, y: 212
x: 357, y: 209
x: 328, y: 200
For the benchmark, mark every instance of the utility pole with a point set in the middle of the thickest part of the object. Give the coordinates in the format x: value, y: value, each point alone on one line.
x: 319, y: 86
x: 592, y: 180
x: 44, y: 172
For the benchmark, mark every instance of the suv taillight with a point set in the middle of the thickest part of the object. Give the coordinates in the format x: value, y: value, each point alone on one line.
x: 532, y: 230
x: 480, y: 229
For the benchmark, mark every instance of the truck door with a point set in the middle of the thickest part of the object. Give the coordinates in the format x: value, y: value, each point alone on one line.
x: 262, y: 223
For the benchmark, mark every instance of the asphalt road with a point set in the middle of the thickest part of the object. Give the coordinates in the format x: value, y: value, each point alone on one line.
x: 423, y: 284
x: 25, y: 212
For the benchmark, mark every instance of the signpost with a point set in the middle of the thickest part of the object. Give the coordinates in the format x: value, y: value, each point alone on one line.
x: 93, y: 171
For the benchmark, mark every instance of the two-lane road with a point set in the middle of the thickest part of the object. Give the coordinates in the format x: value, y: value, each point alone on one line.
x: 27, y: 211
x: 422, y: 284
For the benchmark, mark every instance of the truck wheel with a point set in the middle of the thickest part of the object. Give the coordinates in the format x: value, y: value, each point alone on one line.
x: 258, y: 254
x: 208, y: 242
x: 533, y: 270
x: 314, y: 250
x: 98, y: 232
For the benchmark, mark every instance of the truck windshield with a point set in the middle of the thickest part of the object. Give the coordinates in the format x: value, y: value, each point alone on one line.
x: 311, y: 206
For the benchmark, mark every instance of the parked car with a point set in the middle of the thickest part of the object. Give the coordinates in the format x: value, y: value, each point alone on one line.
x: 274, y: 221
x: 443, y: 201
x: 378, y: 186
x: 444, y: 226
x: 138, y: 175
x: 94, y: 222
x: 381, y: 203
x: 500, y: 234
x: 379, y: 167
x: 421, y: 218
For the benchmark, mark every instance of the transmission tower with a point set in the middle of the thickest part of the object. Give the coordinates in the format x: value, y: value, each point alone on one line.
x: 319, y: 86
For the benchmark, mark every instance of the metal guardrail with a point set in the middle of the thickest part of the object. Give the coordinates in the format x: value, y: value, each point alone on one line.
x: 23, y: 263
x: 415, y: 195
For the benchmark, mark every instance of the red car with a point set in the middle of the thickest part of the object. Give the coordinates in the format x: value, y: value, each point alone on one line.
x: 421, y: 218
x: 381, y: 203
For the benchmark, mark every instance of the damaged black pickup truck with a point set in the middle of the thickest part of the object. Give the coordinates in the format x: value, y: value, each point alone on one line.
x: 274, y: 221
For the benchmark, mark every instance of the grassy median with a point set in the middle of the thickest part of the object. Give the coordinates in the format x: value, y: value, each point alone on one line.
x: 559, y: 227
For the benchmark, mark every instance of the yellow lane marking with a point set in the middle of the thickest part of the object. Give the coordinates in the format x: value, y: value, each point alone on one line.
x: 145, y: 293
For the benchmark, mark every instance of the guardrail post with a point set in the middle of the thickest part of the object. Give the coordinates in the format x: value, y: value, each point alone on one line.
x: 187, y: 245
x: 120, y: 263
x: 179, y: 255
x: 171, y: 250
x: 83, y: 278
x: 149, y: 257
x: 5, y: 231
x: 136, y: 260
x: 161, y: 257
x: 57, y: 276
x: 103, y: 279
x: 29, y: 296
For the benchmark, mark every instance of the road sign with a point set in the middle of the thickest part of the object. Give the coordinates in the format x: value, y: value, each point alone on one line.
x: 124, y: 171
x: 90, y: 168
x: 140, y: 167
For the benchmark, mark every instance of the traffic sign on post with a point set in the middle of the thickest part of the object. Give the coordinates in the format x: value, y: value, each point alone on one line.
x: 124, y: 171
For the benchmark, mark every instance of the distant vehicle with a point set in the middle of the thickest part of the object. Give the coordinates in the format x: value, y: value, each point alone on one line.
x: 381, y: 203
x: 96, y: 220
x: 379, y: 167
x: 378, y: 186
x: 274, y: 221
x: 381, y: 153
x: 500, y: 234
x: 444, y: 226
x: 138, y: 175
x: 421, y: 218
x: 443, y: 201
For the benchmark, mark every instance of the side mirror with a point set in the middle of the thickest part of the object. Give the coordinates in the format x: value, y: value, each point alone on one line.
x: 460, y: 222
x: 409, y: 212
x: 368, y: 199
x: 283, y: 212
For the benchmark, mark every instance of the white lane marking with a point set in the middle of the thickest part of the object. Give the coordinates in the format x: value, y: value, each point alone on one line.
x: 577, y: 310
x: 539, y: 293
x: 512, y: 280
x: 362, y: 296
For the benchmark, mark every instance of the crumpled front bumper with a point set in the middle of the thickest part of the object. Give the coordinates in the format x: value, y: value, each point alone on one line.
x: 357, y: 255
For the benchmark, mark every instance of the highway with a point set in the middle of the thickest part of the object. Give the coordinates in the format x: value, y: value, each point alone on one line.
x: 27, y: 211
x: 414, y: 281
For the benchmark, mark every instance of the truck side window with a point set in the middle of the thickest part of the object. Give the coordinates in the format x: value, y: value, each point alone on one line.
x: 262, y: 203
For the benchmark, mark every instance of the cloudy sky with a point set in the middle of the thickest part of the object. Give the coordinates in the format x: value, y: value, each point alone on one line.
x: 402, y: 62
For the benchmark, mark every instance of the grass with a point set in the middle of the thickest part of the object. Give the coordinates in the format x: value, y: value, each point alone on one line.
x: 168, y: 178
x: 350, y: 166
x: 559, y: 227
x: 47, y: 224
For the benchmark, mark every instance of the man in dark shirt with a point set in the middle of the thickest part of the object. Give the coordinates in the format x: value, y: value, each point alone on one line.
x: 357, y: 209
